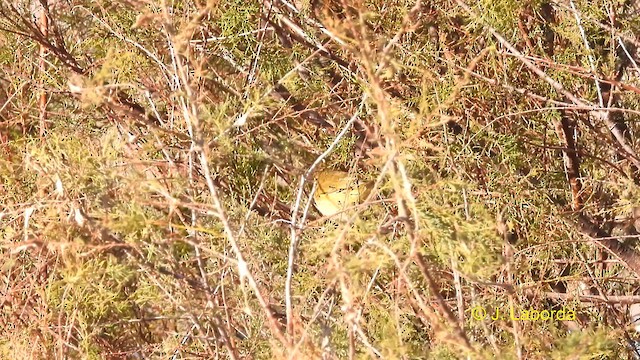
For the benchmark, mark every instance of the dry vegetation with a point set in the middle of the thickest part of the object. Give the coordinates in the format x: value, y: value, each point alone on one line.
x: 157, y: 165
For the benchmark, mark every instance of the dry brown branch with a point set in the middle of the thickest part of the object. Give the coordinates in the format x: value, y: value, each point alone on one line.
x: 600, y: 115
x: 627, y: 256
x: 43, y: 22
x: 565, y: 132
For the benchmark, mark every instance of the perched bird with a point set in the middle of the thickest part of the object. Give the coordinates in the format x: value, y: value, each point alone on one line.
x: 337, y: 191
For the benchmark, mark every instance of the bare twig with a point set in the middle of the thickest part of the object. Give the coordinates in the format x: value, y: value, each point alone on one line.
x: 611, y: 125
x: 295, y: 228
x: 190, y: 114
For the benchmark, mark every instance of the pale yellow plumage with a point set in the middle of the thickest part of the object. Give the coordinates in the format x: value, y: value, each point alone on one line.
x: 337, y: 191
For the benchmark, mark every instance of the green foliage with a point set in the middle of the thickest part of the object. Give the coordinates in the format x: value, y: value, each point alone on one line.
x: 587, y: 344
x: 472, y: 242
x: 503, y: 15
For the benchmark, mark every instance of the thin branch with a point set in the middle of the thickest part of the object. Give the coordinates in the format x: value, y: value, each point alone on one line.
x: 294, y: 227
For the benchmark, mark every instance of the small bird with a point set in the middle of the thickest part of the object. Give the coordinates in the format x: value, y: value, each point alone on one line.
x: 337, y: 191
